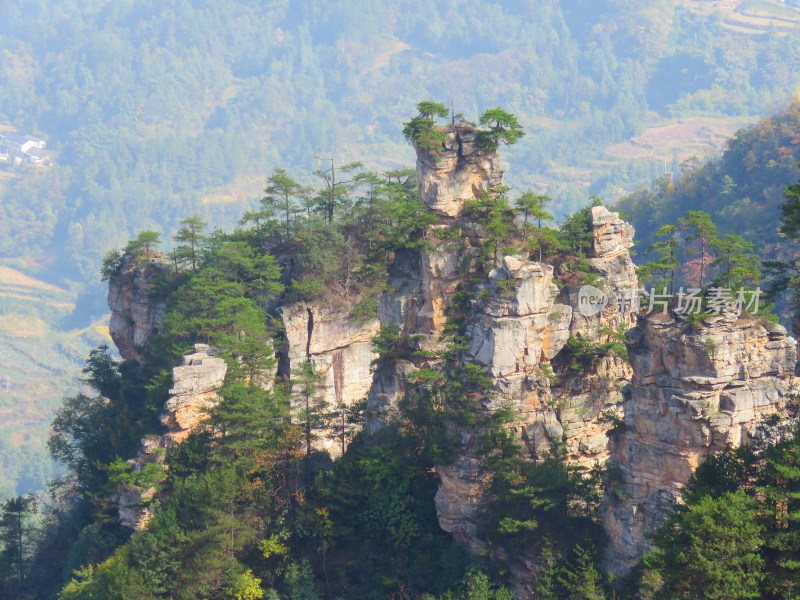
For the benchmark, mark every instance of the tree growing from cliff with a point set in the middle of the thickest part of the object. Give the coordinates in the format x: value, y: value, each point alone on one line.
x: 661, y: 271
x: 281, y: 196
x: 143, y: 244
x: 421, y: 129
x: 575, y: 234
x: 503, y: 127
x: 738, y: 262
x: 536, y: 237
x: 337, y: 190
x: 493, y: 213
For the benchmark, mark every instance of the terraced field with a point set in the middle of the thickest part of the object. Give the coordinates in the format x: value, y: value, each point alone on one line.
x: 751, y: 17
x: 37, y: 363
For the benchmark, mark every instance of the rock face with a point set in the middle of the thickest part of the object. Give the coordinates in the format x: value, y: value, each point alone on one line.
x: 518, y: 329
x: 518, y: 323
x: 339, y: 347
x: 194, y: 386
x: 194, y: 391
x: 135, y: 313
x: 457, y: 171
x: 689, y: 390
x: 695, y: 389
x: 515, y: 330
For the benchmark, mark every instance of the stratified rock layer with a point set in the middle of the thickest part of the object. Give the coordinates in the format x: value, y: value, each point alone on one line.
x: 340, y: 349
x: 519, y: 326
x: 193, y: 393
x: 135, y: 314
x: 695, y: 389
x: 457, y: 171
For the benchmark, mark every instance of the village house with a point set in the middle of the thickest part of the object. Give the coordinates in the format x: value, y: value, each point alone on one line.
x: 14, y: 146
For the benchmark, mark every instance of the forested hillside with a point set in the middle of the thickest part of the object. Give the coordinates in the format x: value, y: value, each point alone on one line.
x: 742, y: 189
x: 153, y: 113
x: 247, y: 505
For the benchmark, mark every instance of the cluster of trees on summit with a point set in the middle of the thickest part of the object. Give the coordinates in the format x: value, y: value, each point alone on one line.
x: 247, y: 508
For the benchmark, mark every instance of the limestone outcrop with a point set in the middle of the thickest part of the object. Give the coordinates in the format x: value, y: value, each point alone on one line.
x: 194, y: 391
x: 135, y: 313
x: 340, y: 349
x: 696, y: 388
x: 458, y: 170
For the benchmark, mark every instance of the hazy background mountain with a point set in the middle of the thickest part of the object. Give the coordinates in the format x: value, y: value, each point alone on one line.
x: 156, y: 111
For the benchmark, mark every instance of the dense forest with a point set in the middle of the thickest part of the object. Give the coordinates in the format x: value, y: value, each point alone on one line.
x: 246, y: 508
x: 152, y: 114
x: 104, y: 83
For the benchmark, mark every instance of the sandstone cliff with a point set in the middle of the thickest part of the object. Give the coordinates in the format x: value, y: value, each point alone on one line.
x: 689, y: 389
x: 136, y: 314
x: 458, y: 171
x: 519, y: 320
x: 695, y: 389
x: 193, y: 393
x: 340, y: 349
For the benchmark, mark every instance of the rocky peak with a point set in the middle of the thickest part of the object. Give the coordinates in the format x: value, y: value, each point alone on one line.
x: 518, y: 326
x: 611, y: 235
x: 458, y: 170
x: 136, y: 314
x: 695, y: 389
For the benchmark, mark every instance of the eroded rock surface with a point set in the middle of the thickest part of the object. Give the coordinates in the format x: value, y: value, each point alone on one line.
x: 135, y: 313
x: 518, y: 329
x: 339, y: 347
x: 459, y: 170
x: 519, y: 322
x: 194, y: 391
x: 695, y: 389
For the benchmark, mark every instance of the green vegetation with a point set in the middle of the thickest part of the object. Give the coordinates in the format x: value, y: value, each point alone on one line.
x: 248, y: 507
x: 742, y: 191
x: 147, y: 122
x: 717, y: 272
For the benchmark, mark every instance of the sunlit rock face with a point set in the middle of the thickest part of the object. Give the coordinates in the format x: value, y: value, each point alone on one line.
x: 696, y: 388
x: 518, y: 323
x: 456, y: 171
x: 340, y: 349
x: 194, y: 392
x: 135, y: 313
